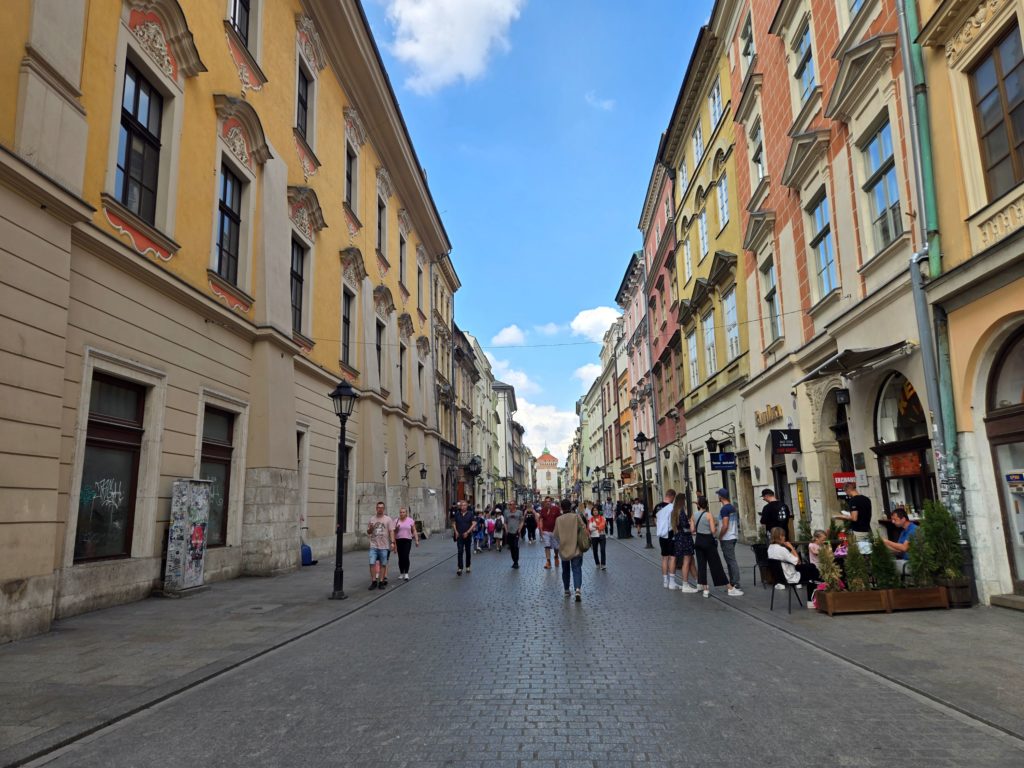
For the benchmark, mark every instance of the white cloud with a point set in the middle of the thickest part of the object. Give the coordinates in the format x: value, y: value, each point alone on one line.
x: 503, y: 371
x: 605, y: 105
x: 549, y: 329
x: 449, y: 40
x: 510, y: 336
x: 593, y: 323
x: 546, y: 425
x: 586, y: 374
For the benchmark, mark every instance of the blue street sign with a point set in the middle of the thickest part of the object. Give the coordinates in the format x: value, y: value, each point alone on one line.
x: 723, y: 461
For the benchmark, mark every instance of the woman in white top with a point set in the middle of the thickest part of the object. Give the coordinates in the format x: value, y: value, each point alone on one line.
x: 795, y: 571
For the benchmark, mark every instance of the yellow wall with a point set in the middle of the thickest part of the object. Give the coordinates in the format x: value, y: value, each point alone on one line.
x: 16, y: 16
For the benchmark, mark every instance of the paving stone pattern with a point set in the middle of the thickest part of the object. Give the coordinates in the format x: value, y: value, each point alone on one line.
x: 497, y: 669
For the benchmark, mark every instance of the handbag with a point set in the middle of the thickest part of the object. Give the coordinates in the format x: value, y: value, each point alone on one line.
x: 582, y: 535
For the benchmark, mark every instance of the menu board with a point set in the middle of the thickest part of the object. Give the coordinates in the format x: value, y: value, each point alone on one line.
x: 903, y: 464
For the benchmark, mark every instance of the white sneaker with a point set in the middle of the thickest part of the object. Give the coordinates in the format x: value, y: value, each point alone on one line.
x: 688, y: 588
x: 672, y: 585
x: 780, y: 586
x: 706, y: 593
x: 735, y: 592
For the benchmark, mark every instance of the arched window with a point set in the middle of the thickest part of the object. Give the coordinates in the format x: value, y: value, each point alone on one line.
x: 900, y: 415
x: 1007, y: 388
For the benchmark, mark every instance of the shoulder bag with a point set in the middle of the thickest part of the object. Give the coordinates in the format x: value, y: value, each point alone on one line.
x: 582, y: 535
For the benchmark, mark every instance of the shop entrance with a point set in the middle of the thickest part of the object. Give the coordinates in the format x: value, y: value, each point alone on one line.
x: 1004, y: 424
x: 903, y: 448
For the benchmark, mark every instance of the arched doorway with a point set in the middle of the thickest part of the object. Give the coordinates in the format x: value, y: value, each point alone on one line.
x: 1004, y: 423
x: 903, y: 447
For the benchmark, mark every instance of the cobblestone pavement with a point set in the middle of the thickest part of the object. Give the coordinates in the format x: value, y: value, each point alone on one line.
x: 495, y: 668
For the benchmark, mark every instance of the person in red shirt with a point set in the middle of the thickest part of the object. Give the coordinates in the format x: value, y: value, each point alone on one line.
x: 549, y: 512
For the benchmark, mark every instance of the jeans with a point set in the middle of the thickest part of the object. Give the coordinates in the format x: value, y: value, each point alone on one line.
x: 576, y: 564
x: 729, y: 555
x: 404, y: 548
x: 609, y: 525
x: 707, y: 556
x: 597, y: 543
x: 513, y: 548
x: 465, y: 545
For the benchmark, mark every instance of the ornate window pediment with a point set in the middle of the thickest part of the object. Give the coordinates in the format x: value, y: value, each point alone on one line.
x: 383, y: 302
x: 309, y: 42
x: 385, y: 188
x: 354, y: 127
x: 241, y: 130
x: 423, y: 346
x: 405, y: 328
x: 804, y: 151
x: 162, y: 31
x: 957, y: 23
x: 404, y: 222
x: 702, y: 292
x: 352, y: 266
x: 859, y: 68
x: 723, y: 267
x: 760, y: 228
x: 304, y: 211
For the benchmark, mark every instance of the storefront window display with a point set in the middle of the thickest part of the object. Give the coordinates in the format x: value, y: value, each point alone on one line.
x: 1005, y: 426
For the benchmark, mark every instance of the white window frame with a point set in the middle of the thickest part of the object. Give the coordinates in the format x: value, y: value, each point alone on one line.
x: 687, y: 257
x: 691, y: 358
x: 715, y: 102
x: 307, y: 282
x: 732, y: 324
x: 722, y: 188
x: 702, y: 227
x: 758, y: 169
x: 684, y: 176
x: 801, y: 63
x: 710, y: 352
x: 310, y: 71
x: 820, y: 234
x: 239, y: 440
x: 698, y: 144
x: 255, y: 43
x: 248, y: 211
x: 381, y: 234
x: 352, y: 147
x: 879, y: 177
x: 748, y: 46
x: 770, y: 288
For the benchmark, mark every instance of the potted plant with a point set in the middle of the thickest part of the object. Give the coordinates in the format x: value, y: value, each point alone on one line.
x: 942, y: 540
x: 899, y: 597
x: 857, y: 597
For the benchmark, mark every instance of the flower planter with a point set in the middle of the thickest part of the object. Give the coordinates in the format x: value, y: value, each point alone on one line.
x: 915, y: 598
x: 868, y: 601
x: 959, y: 591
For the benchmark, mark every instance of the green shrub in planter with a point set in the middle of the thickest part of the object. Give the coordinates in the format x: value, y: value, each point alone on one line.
x: 856, y: 566
x: 828, y: 569
x: 883, y: 566
x: 921, y: 562
x: 942, y: 538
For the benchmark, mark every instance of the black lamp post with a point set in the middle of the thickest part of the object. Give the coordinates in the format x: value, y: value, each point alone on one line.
x: 344, y: 398
x: 641, y: 442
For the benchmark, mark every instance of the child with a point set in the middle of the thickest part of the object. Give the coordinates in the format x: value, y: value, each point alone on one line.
x: 499, y: 529
x: 480, y: 535
x: 490, y: 532
x: 814, y: 547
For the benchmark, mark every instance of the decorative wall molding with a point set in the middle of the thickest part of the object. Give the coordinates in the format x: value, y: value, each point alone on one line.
x: 354, y: 127
x: 309, y: 162
x: 423, y: 346
x: 162, y: 31
x: 404, y: 222
x: 421, y: 256
x: 309, y: 42
x: 304, y: 211
x: 384, y: 186
x: 352, y: 266
x: 143, y: 239
x: 249, y: 73
x: 972, y: 28
x: 241, y: 130
x: 383, y: 302
x: 405, y: 327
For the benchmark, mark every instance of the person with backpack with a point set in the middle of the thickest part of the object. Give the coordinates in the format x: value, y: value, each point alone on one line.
x: 572, y: 540
x: 498, y: 531
x: 480, y: 533
x: 774, y: 514
x: 596, y: 527
x: 514, y: 524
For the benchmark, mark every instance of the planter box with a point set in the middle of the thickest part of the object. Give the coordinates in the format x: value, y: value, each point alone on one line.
x: 869, y: 601
x: 916, y: 598
x: 959, y: 592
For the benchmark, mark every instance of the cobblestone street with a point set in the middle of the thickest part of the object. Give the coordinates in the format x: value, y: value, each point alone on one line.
x: 496, y: 668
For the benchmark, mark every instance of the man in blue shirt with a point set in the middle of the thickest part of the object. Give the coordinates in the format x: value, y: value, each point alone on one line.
x: 908, y: 530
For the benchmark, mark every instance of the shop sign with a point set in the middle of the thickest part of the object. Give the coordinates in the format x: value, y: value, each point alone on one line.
x: 839, y: 479
x: 1015, y: 480
x: 785, y: 441
x: 769, y: 415
x: 723, y: 462
x: 903, y: 464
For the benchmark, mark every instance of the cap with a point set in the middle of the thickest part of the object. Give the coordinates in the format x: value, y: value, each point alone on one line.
x: 723, y: 494
x: 767, y: 492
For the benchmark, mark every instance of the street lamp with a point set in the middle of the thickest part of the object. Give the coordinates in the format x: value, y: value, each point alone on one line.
x: 642, y: 442
x: 344, y: 398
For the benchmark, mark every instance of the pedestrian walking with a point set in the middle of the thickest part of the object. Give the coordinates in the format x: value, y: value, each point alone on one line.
x: 549, y: 513
x: 498, y: 533
x: 463, y: 528
x: 489, y: 539
x: 531, y: 526
x: 682, y: 539
x: 569, y: 526
x: 609, y: 518
x: 706, y: 546
x: 479, y: 532
x: 638, y: 514
x: 405, y: 536
x: 663, y: 522
x: 728, y: 533
x: 381, y: 530
x: 596, y: 527
x: 514, y: 524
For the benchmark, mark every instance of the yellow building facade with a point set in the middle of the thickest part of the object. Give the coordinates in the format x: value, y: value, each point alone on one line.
x: 212, y: 213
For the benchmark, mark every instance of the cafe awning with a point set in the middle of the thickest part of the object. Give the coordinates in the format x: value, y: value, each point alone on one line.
x: 851, y: 362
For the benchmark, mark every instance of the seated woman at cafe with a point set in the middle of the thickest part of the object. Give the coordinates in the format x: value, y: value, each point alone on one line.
x: 795, y: 571
x: 901, y: 546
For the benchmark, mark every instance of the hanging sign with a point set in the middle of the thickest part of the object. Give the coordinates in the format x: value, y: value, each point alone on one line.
x: 785, y: 441
x: 839, y: 479
x: 723, y: 462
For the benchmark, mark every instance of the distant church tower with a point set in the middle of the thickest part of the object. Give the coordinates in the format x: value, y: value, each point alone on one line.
x: 547, y: 474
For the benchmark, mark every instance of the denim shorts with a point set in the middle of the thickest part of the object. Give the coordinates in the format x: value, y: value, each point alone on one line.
x: 550, y: 542
x: 379, y: 555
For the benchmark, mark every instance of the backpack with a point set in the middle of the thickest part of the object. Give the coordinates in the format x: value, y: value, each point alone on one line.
x: 499, y: 525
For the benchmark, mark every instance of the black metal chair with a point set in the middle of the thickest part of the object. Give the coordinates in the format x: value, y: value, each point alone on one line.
x: 761, y: 564
x: 775, y: 567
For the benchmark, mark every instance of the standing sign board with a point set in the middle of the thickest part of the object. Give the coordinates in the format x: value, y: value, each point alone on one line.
x: 723, y: 462
x: 785, y: 441
x: 186, y: 534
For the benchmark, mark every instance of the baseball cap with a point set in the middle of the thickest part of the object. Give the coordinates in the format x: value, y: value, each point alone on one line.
x: 723, y: 493
x: 767, y: 492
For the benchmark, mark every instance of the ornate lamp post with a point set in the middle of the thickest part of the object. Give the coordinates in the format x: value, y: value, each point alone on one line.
x: 642, y: 442
x: 344, y: 398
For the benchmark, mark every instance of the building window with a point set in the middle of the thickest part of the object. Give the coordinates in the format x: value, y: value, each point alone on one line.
x: 691, y: 357
x: 215, y: 465
x: 419, y: 377
x: 757, y: 154
x: 687, y: 258
x: 747, y: 49
x: 771, y: 299
x: 382, y: 214
x: 715, y: 102
x: 302, y: 103
x: 419, y: 287
x: 698, y: 474
x: 723, y: 201
x: 710, y: 355
x: 805, y: 64
x: 401, y: 259
x: 821, y: 244
x: 380, y: 352
x: 684, y: 177
x: 351, y: 177
x: 998, y: 96
x: 702, y: 222
x: 240, y: 19
x: 229, y: 225
x: 882, y: 187
x: 297, y: 280
x: 401, y: 372
x: 110, y: 469
x: 855, y: 6
x: 138, y: 148
x: 698, y: 144
x: 732, y: 325
x: 347, y: 299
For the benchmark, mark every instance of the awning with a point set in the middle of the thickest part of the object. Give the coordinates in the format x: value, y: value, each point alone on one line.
x: 850, y: 362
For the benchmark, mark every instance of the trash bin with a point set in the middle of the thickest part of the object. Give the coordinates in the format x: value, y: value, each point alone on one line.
x: 622, y: 525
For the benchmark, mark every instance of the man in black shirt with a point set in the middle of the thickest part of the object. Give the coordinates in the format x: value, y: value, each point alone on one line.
x: 463, y: 525
x: 774, y: 514
x: 859, y: 516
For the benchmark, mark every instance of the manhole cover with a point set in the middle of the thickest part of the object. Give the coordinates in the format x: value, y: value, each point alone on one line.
x: 265, y: 608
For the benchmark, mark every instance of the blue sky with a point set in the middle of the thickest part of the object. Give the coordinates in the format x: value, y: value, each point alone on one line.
x: 537, y: 122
